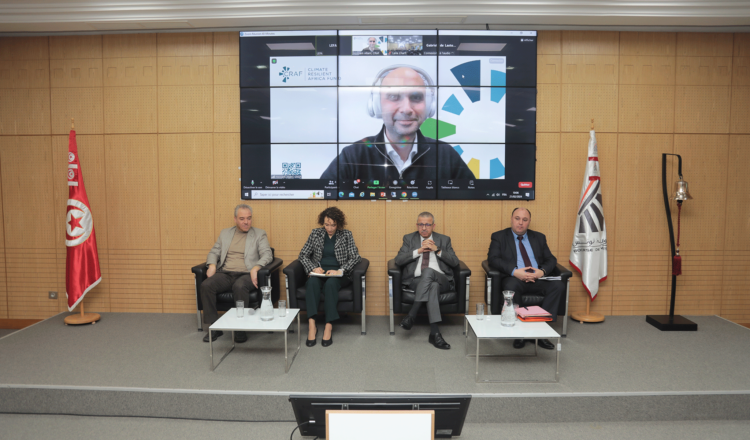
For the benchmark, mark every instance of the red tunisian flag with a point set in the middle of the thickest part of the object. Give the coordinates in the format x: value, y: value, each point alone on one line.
x: 82, y: 270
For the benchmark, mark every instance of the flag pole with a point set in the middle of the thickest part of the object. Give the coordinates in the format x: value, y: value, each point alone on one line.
x: 83, y: 318
x: 588, y: 316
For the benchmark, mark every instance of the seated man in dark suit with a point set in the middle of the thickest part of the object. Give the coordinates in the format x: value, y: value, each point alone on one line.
x: 522, y: 257
x: 427, y: 258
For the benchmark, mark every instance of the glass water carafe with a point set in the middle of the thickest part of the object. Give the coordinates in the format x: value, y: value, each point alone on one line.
x: 508, y: 315
x: 266, y: 308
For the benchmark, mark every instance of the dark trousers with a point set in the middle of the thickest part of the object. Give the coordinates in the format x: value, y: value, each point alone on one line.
x: 330, y: 288
x: 427, y: 288
x: 240, y: 283
x: 551, y: 290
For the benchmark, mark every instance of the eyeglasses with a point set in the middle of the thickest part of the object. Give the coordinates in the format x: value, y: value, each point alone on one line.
x: 424, y: 225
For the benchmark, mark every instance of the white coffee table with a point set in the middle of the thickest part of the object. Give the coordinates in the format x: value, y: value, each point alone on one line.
x: 491, y: 329
x: 252, y: 323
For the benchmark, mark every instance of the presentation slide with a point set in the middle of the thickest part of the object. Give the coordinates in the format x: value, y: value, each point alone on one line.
x: 388, y: 114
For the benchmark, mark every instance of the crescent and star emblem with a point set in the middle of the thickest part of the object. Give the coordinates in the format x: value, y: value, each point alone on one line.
x: 78, y: 223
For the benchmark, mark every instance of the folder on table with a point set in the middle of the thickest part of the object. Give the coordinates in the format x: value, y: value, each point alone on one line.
x: 533, y: 312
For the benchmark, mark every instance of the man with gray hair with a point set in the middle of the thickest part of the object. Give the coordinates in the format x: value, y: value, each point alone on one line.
x: 233, y: 263
x: 427, y: 258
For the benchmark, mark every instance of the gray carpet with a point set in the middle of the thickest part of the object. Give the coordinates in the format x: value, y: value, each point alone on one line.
x: 5, y: 332
x: 22, y: 427
x: 622, y: 355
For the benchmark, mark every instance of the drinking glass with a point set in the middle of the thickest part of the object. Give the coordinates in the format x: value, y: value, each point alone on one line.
x: 480, y: 312
x: 240, y: 305
x: 282, y: 308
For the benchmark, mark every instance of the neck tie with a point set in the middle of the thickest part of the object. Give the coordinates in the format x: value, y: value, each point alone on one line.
x: 524, y: 255
x: 425, y: 259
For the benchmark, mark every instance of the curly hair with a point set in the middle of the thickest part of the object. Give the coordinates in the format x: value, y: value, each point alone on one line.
x: 334, y: 214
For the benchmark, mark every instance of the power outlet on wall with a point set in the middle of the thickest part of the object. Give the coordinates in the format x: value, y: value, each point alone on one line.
x: 52, y: 295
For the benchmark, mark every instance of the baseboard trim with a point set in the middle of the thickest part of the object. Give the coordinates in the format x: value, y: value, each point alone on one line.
x: 17, y: 324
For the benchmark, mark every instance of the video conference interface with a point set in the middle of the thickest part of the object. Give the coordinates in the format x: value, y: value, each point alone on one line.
x: 394, y: 115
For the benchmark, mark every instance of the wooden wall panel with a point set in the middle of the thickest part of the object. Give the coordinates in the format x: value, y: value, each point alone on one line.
x: 186, y: 191
x: 227, y: 109
x: 227, y: 70
x: 704, y: 165
x: 132, y: 194
x: 741, y: 71
x: 76, y: 73
x: 128, y: 45
x: 26, y: 168
x: 590, y: 69
x: 640, y: 87
x: 24, y: 74
x: 582, y: 102
x: 647, y: 70
x: 741, y: 45
x: 704, y: 71
x: 227, y: 43
x: 30, y: 274
x: 549, y: 43
x: 702, y: 109
x: 24, y: 48
x: 646, y: 109
x: 119, y: 72
x: 740, y: 111
x: 75, y: 47
x: 24, y: 112
x: 83, y: 104
x: 135, y: 280
x: 185, y: 71
x: 184, y: 44
x: 648, y: 43
x: 185, y: 109
x: 704, y: 44
x: 130, y: 109
x: 590, y: 43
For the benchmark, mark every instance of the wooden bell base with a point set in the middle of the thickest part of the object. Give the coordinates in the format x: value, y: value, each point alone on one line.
x: 78, y: 319
x: 587, y: 317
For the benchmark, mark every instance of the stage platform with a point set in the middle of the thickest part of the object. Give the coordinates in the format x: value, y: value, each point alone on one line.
x: 156, y: 365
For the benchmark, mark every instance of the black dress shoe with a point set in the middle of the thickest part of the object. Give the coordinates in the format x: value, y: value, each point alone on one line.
x: 545, y: 344
x: 326, y: 343
x: 438, y: 341
x: 214, y: 335
x: 407, y: 323
x: 240, y: 337
x: 312, y: 342
x: 519, y: 343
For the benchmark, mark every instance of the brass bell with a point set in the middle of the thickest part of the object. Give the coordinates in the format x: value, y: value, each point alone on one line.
x: 681, y: 191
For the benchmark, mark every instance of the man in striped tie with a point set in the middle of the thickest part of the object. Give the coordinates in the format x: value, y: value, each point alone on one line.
x: 522, y: 257
x: 427, y: 258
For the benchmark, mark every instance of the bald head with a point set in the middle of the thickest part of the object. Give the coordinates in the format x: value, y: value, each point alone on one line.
x: 403, y: 104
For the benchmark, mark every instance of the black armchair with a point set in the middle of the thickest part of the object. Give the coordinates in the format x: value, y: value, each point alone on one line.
x: 401, y: 298
x: 351, y: 297
x: 495, y: 295
x: 225, y: 301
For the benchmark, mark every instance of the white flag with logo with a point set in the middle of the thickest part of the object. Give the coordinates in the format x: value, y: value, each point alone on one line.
x: 588, y: 254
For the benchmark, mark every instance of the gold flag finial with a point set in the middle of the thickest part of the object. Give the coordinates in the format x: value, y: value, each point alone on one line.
x: 72, y: 123
x: 592, y: 123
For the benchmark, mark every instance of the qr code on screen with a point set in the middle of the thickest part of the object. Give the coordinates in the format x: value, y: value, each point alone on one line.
x: 291, y: 168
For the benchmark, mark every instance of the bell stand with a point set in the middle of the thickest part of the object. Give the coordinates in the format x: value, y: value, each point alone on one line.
x: 82, y: 318
x: 587, y: 316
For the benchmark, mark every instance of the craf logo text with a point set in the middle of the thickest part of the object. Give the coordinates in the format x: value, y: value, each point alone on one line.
x: 288, y: 74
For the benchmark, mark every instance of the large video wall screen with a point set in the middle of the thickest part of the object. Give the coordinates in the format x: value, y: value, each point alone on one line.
x: 397, y: 115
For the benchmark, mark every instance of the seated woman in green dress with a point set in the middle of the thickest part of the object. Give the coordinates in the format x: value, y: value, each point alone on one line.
x: 329, y: 250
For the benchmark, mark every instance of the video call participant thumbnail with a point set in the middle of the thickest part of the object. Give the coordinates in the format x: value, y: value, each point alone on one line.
x: 371, y: 49
x: 403, y: 97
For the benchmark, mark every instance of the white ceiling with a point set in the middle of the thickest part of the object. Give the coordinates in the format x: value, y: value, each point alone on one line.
x: 55, y: 16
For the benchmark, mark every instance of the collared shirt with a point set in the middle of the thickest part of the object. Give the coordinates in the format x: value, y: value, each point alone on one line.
x: 396, y: 159
x: 519, y: 262
x: 433, y: 260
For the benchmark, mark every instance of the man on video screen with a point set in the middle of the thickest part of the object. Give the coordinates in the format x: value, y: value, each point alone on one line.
x: 403, y: 97
x: 371, y: 49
